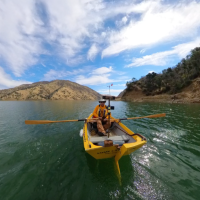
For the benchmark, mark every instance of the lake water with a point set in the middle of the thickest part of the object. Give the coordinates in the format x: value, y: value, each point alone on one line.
x: 48, y: 162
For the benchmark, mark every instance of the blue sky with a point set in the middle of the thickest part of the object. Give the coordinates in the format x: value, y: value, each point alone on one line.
x: 93, y: 42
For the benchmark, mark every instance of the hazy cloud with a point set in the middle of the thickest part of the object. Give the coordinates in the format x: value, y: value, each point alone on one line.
x: 7, y: 82
x: 62, y: 74
x: 94, y: 79
x: 158, y: 23
x: 150, y: 72
x: 92, y: 52
x: 163, y: 58
x: 19, y: 46
x: 112, y: 91
x: 102, y: 70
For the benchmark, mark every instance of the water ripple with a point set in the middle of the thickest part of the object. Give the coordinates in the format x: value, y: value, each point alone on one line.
x: 49, y: 161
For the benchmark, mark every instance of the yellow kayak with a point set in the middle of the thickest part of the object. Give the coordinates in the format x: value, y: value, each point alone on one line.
x: 121, y: 141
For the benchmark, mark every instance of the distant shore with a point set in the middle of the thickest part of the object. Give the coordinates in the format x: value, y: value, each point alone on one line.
x: 160, y: 98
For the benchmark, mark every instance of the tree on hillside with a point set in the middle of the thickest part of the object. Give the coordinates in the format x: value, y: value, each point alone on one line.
x: 171, y: 80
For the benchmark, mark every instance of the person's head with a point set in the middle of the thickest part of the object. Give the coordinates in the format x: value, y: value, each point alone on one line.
x: 102, y: 102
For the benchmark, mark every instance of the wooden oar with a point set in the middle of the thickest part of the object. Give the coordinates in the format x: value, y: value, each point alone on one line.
x: 89, y: 120
x: 150, y: 116
x: 49, y: 121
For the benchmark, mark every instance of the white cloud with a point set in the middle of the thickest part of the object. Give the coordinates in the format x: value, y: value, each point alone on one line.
x: 143, y: 51
x: 19, y: 47
x: 98, y: 76
x: 92, y: 52
x: 114, y: 92
x: 94, y: 79
x: 163, y: 58
x: 105, y: 70
x: 116, y: 85
x: 62, y: 74
x: 33, y: 24
x: 53, y: 75
x: 71, y: 23
x: 67, y: 27
x: 122, y: 22
x: 158, y: 23
x: 7, y: 82
x: 150, y: 72
x: 157, y: 59
x: 102, y: 70
x: 103, y: 34
x: 183, y: 49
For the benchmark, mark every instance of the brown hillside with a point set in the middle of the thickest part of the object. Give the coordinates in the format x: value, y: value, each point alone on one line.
x: 190, y: 94
x: 54, y: 90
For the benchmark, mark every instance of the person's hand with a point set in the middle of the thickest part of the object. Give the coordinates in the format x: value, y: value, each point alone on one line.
x: 105, y: 120
x: 100, y: 118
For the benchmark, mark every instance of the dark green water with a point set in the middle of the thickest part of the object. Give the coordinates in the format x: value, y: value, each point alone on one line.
x: 49, y: 161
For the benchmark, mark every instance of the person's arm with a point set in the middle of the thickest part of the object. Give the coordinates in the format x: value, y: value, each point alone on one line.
x: 95, y: 111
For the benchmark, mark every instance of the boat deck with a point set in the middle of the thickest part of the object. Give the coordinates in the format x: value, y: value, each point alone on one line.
x: 116, y: 133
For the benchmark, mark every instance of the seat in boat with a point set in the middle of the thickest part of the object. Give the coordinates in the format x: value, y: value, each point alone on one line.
x: 116, y: 135
x: 114, y: 138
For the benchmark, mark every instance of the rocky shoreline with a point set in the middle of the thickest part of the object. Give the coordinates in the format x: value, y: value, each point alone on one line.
x: 190, y: 94
x: 163, y: 99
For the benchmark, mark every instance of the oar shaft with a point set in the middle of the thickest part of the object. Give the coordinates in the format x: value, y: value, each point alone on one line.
x: 47, y: 121
x: 89, y: 120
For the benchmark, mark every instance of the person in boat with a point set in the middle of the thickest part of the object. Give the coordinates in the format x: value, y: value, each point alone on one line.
x: 101, y: 113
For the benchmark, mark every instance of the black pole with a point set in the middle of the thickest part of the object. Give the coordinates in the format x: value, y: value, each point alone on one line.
x: 108, y: 112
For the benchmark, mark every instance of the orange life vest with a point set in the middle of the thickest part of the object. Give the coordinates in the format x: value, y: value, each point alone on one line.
x: 100, y: 111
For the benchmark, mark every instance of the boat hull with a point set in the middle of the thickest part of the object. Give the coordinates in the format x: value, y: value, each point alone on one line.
x: 99, y: 152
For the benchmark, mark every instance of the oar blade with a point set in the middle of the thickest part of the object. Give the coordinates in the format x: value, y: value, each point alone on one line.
x: 157, y: 115
x: 150, y: 116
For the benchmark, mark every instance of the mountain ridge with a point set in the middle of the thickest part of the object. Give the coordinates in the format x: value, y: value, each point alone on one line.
x: 50, y: 90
